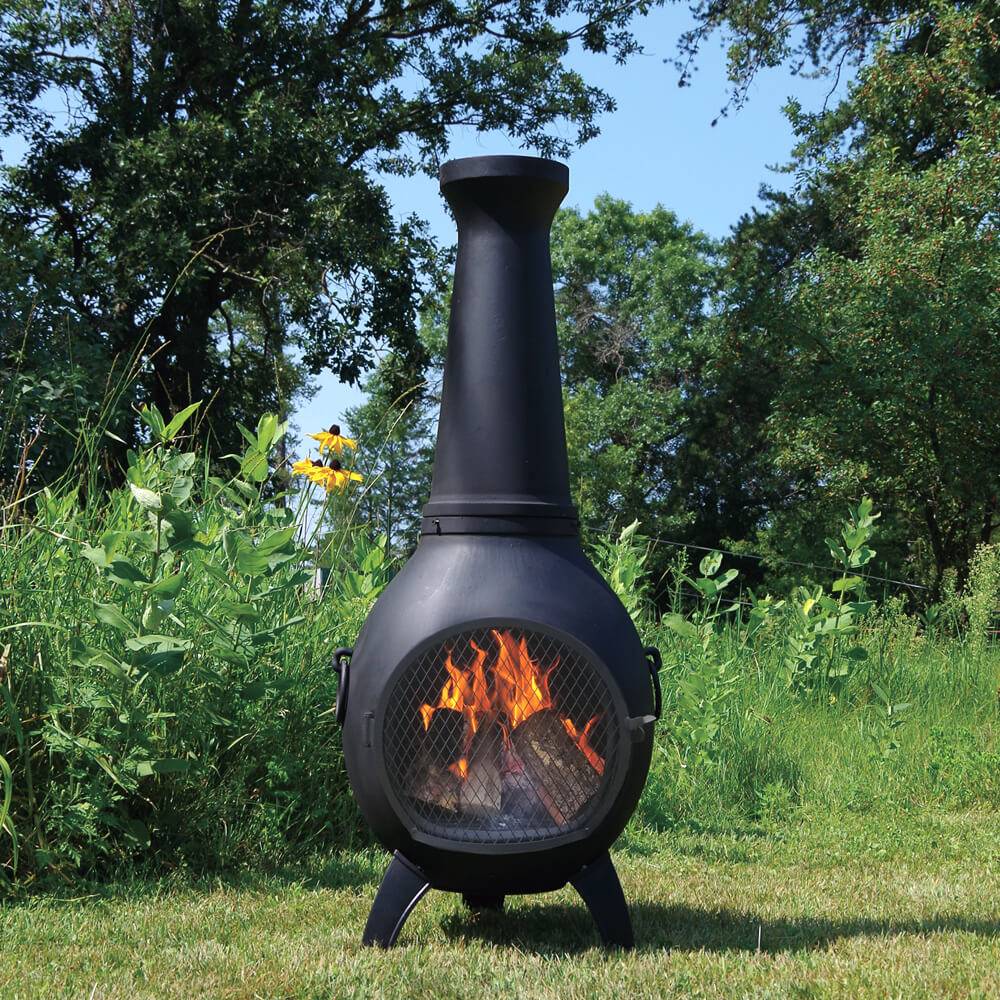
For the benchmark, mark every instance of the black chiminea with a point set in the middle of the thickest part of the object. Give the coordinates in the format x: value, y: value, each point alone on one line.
x: 498, y: 708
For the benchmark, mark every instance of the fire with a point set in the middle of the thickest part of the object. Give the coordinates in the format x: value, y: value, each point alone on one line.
x: 520, y: 688
x: 582, y: 740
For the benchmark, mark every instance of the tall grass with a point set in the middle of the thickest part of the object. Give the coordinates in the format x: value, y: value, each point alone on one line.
x: 900, y: 717
x: 166, y: 691
x: 166, y: 687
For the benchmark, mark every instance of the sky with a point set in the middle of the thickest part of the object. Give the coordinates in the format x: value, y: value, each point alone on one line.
x: 657, y: 147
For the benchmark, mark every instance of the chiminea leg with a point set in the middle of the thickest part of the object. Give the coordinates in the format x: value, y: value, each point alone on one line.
x: 600, y: 889
x: 403, y: 886
x: 482, y: 901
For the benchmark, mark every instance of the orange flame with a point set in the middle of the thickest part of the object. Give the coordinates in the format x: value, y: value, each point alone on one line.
x: 582, y: 740
x: 520, y: 688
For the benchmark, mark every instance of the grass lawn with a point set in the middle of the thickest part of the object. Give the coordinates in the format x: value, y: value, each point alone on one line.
x: 899, y: 905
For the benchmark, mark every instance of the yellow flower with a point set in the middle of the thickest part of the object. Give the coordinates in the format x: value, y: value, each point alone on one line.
x: 315, y: 472
x: 330, y: 477
x: 337, y: 478
x: 333, y: 441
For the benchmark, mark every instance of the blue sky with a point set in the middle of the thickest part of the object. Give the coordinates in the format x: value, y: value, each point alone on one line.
x: 658, y: 147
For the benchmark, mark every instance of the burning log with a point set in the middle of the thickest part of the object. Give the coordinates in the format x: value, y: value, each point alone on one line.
x: 481, y: 788
x: 444, y: 740
x: 563, y: 777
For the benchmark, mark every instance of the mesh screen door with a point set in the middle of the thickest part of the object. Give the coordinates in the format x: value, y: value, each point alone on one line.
x: 500, y: 736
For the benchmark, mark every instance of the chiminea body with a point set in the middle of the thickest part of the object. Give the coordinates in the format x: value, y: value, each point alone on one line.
x: 499, y: 705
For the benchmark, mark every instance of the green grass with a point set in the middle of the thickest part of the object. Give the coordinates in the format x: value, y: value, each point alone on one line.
x: 844, y: 905
x: 165, y: 709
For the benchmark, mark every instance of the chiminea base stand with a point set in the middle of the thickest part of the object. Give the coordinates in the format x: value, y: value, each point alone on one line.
x: 404, y: 885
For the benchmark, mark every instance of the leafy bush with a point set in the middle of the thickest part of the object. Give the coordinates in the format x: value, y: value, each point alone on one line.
x: 167, y: 687
x: 765, y: 709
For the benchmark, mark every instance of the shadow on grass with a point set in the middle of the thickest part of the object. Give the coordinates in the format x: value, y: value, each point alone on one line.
x: 558, y: 929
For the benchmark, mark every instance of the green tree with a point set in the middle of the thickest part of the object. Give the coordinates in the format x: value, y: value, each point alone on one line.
x: 395, y: 455
x: 878, y: 303
x: 211, y: 199
x: 658, y: 430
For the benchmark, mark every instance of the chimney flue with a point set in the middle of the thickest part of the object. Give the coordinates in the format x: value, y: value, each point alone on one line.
x: 501, y: 447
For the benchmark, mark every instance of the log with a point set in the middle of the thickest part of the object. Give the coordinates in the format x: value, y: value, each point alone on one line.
x: 434, y: 785
x: 562, y: 776
x: 442, y: 742
x: 480, y: 791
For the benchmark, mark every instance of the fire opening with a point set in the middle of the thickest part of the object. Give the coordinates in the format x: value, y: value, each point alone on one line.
x: 514, y: 739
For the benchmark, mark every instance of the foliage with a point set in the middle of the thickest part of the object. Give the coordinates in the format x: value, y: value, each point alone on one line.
x: 816, y: 659
x: 622, y: 563
x: 703, y: 678
x: 871, y: 293
x: 210, y: 204
x: 397, y: 463
x: 982, y: 594
x: 166, y: 689
x: 631, y: 295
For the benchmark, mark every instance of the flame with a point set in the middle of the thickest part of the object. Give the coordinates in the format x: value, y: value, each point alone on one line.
x: 465, y: 691
x: 582, y: 740
x: 520, y: 688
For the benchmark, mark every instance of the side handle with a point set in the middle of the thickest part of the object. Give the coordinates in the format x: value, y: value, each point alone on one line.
x: 341, y: 663
x: 655, y: 664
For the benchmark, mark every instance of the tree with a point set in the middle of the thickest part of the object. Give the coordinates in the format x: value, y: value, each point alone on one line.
x: 658, y: 430
x: 883, y: 316
x: 210, y: 200
x: 395, y: 456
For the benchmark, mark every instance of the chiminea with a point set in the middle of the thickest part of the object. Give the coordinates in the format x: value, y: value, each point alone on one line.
x: 498, y: 707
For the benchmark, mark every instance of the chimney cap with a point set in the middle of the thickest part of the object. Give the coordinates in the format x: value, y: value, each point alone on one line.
x: 529, y: 167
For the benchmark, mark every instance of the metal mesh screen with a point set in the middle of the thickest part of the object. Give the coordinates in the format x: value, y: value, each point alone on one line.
x: 500, y: 736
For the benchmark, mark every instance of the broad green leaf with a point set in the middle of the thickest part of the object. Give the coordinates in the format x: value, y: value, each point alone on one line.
x: 168, y: 765
x: 854, y: 537
x: 160, y: 661
x: 253, y: 465
x: 178, y: 421
x: 161, y: 642
x: 250, y: 562
x: 152, y: 418
x: 677, y: 623
x: 266, y: 429
x: 168, y: 586
x: 845, y: 584
x: 238, y: 609
x: 146, y: 498
x: 110, y: 615
x: 125, y: 572
x: 861, y: 557
x: 179, y: 533
x: 277, y: 539
x: 83, y: 655
x: 180, y: 489
x: 709, y: 566
x: 373, y: 560
x: 95, y: 554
